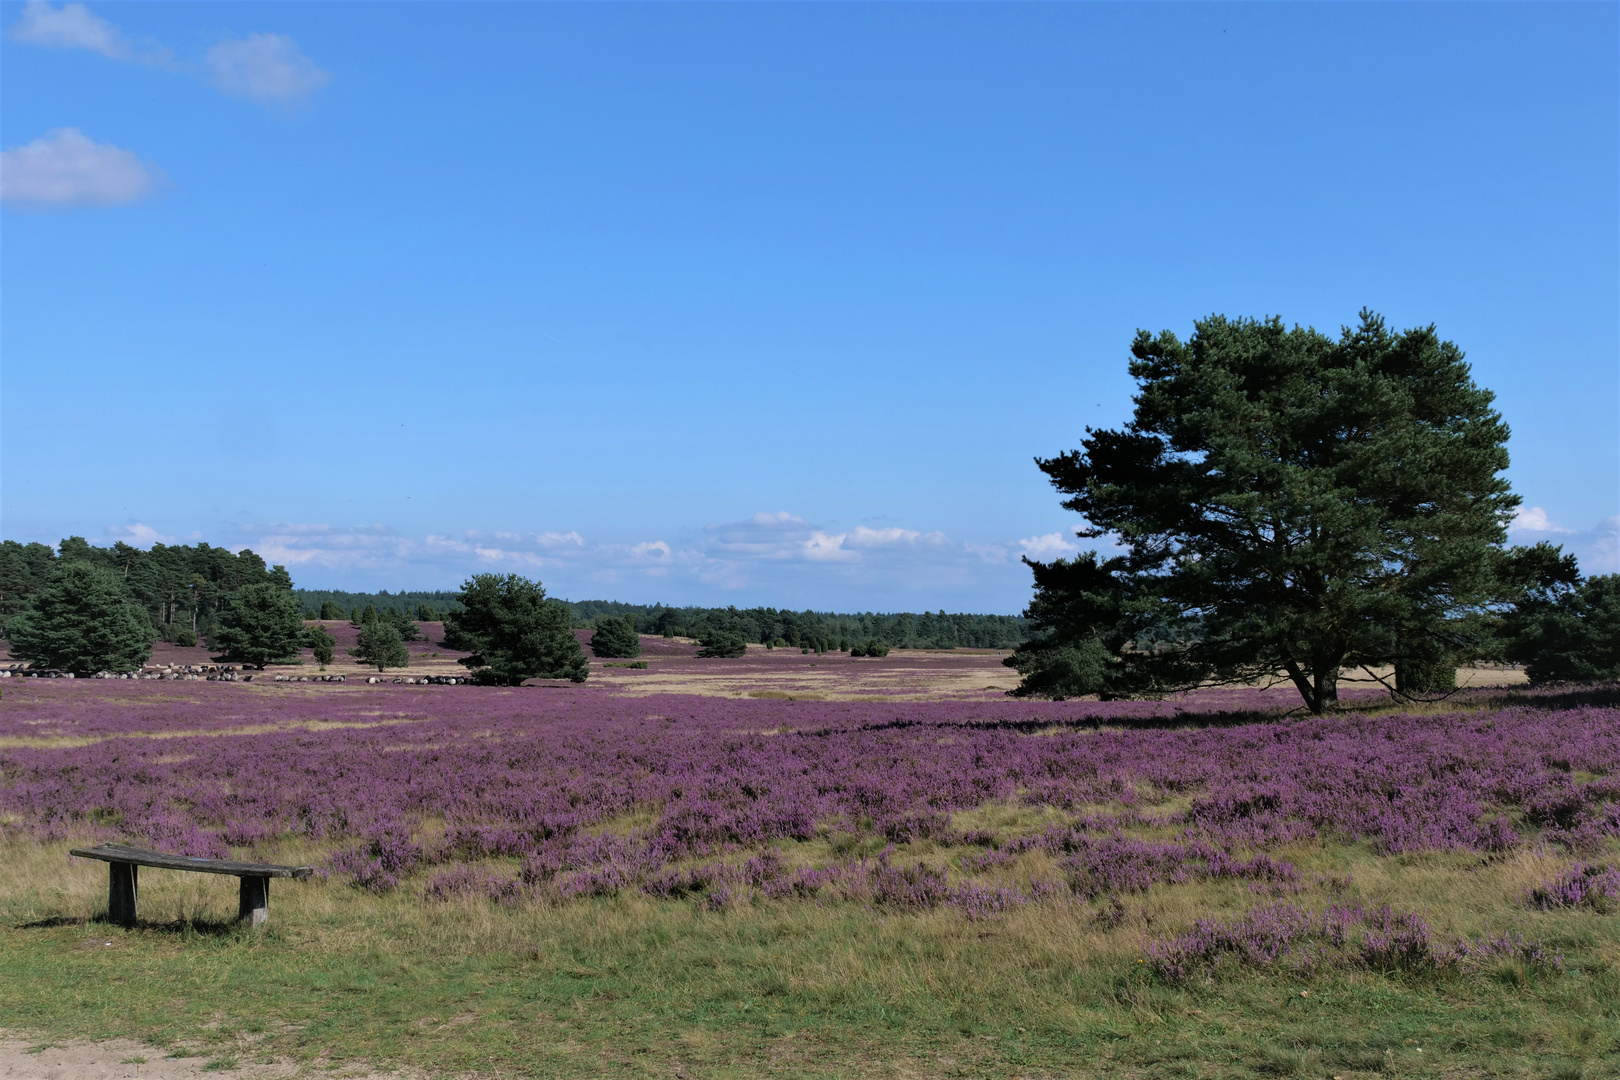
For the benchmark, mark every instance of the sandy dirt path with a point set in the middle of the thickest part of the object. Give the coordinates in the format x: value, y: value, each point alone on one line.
x: 26, y: 1058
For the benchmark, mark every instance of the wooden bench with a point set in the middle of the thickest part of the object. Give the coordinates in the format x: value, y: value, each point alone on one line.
x: 122, y: 861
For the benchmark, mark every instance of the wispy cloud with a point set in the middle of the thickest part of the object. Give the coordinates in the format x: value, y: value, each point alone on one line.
x: 70, y: 26
x: 65, y: 168
x: 772, y: 557
x: 267, y: 68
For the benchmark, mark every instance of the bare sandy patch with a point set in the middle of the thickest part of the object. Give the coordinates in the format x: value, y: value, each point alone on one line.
x: 121, y: 1059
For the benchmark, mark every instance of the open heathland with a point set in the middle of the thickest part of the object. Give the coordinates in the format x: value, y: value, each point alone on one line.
x: 805, y: 866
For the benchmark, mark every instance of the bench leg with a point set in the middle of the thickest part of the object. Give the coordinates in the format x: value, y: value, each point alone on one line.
x: 254, y: 907
x: 121, y: 893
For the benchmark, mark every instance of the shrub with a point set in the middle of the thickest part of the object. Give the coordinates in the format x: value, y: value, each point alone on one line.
x: 514, y: 632
x: 321, y: 644
x: 381, y: 645
x: 869, y: 647
x: 616, y: 638
x: 331, y: 610
x: 726, y: 644
x: 1594, y: 887
x: 1574, y: 637
x: 264, y: 625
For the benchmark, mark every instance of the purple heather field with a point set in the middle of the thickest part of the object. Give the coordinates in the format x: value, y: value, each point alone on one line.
x: 550, y: 794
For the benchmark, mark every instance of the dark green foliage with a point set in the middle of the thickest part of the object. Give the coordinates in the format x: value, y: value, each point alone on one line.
x: 380, y: 645
x: 179, y: 586
x: 409, y: 602
x: 1286, y: 502
x: 183, y: 636
x: 321, y: 643
x: 399, y: 620
x: 331, y: 610
x: 723, y: 644
x: 1570, y: 633
x: 265, y: 625
x: 368, y: 614
x: 514, y: 632
x: 427, y: 613
x: 869, y: 647
x: 83, y: 620
x: 616, y: 637
x: 804, y: 629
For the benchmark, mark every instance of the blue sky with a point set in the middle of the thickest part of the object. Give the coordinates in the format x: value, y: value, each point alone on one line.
x: 744, y: 303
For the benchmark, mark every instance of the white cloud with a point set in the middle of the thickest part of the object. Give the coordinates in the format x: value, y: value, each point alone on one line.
x: 267, y: 68
x: 70, y: 26
x: 64, y: 167
x: 552, y: 539
x: 138, y: 535
x: 861, y: 536
x: 1047, y: 546
x: 822, y: 547
x: 1534, y: 519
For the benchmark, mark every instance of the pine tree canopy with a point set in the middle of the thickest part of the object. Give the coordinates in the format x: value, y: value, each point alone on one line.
x: 1284, y: 502
x: 381, y: 645
x: 264, y: 625
x: 514, y: 632
x: 616, y: 637
x: 83, y: 620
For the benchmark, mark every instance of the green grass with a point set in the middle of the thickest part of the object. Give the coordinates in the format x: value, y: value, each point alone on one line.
x: 632, y: 987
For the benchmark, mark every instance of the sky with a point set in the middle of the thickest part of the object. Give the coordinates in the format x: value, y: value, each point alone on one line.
x: 753, y: 303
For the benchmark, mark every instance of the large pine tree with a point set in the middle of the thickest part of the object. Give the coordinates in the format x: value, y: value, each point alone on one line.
x: 1285, y: 502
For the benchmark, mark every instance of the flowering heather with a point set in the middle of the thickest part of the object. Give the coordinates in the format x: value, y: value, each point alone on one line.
x: 1285, y: 936
x: 587, y: 792
x: 1581, y: 886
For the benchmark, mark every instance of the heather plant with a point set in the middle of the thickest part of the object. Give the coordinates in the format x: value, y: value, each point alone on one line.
x: 82, y: 620
x: 1581, y: 886
x: 1288, y: 937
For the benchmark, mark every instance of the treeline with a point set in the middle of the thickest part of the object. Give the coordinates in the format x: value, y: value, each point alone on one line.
x: 337, y: 604
x: 806, y: 629
x: 184, y: 589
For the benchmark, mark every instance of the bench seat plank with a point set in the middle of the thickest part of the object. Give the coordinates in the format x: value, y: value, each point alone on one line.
x: 123, y: 853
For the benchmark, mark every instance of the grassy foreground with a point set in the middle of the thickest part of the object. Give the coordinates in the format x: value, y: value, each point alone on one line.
x: 634, y: 987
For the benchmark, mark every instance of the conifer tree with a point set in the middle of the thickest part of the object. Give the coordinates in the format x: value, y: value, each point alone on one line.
x: 1285, y: 502
x: 83, y: 620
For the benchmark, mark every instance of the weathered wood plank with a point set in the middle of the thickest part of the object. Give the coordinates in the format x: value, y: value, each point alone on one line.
x: 254, y: 906
x: 123, y: 853
x: 121, y: 880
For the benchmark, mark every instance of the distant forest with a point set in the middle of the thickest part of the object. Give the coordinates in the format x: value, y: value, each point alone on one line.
x: 406, y: 603
x: 901, y: 630
x: 185, y: 588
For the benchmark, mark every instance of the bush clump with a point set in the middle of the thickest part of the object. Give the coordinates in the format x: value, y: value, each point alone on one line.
x: 616, y: 638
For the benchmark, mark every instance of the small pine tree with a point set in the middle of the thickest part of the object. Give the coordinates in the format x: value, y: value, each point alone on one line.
x: 725, y: 644
x: 265, y: 625
x: 616, y: 637
x: 381, y: 645
x: 321, y: 644
x: 331, y: 610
